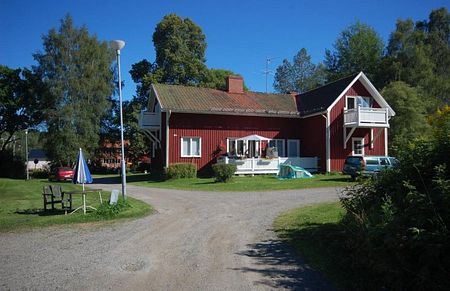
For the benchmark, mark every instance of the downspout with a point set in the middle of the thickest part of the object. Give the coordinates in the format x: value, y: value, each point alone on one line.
x: 168, y: 113
x: 327, y: 141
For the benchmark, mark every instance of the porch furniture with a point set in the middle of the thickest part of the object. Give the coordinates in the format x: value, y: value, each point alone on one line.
x: 53, y: 194
x: 84, y: 193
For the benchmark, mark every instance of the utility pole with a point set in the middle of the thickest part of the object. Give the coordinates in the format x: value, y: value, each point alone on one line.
x: 26, y: 153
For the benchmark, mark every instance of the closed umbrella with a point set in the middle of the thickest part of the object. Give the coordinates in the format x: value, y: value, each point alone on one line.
x: 82, y: 174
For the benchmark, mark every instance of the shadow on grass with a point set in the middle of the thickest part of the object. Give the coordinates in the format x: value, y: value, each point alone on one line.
x: 280, y: 269
x: 40, y: 212
x: 340, y: 179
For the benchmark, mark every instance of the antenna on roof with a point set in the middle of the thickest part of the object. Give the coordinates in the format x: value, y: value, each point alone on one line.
x: 267, y: 71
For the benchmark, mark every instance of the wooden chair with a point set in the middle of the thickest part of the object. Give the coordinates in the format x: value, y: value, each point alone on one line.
x: 65, y: 200
x: 47, y: 195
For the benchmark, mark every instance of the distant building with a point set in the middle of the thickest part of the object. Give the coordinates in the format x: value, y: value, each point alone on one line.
x: 109, y: 154
x: 37, y: 159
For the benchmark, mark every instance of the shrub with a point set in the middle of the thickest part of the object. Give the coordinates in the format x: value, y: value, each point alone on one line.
x: 39, y: 174
x: 398, y: 223
x: 224, y: 172
x: 182, y: 171
x: 105, y: 210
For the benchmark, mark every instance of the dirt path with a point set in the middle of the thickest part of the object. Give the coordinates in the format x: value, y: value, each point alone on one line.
x: 195, y: 241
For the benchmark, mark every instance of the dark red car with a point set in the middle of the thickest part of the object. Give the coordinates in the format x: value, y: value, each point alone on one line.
x: 61, y: 174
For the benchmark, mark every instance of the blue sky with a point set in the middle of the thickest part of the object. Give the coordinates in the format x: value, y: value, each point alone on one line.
x: 240, y: 34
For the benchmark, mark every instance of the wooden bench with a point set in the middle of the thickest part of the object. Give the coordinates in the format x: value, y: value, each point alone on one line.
x: 53, y: 194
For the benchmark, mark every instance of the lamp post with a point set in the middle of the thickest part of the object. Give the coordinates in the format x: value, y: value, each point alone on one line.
x: 117, y: 45
x: 26, y: 153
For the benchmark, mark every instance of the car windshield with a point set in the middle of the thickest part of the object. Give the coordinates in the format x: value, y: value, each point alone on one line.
x: 353, y: 160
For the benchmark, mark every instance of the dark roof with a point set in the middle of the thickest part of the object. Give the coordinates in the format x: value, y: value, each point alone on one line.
x: 37, y: 154
x: 195, y: 99
x: 319, y: 99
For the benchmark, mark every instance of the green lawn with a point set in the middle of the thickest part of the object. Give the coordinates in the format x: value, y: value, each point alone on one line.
x: 21, y: 206
x: 315, y: 235
x: 246, y: 183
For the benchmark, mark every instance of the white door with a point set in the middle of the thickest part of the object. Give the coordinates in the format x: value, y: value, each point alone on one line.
x: 293, y: 148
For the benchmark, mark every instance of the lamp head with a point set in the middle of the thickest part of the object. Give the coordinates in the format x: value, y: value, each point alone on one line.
x: 117, y: 44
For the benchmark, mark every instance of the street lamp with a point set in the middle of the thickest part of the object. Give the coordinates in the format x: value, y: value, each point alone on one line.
x: 26, y: 152
x: 117, y: 45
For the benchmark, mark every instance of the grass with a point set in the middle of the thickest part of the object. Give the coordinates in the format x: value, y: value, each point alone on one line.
x: 21, y: 206
x: 315, y: 234
x: 241, y: 184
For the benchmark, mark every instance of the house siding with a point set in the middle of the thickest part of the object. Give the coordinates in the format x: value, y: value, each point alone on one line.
x: 313, y: 139
x: 215, y: 129
x: 337, y: 151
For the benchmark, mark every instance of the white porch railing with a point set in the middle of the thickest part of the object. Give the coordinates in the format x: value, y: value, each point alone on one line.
x: 366, y: 117
x: 269, y: 166
x: 150, y: 120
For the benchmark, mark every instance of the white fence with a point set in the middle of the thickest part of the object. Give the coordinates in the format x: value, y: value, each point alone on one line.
x: 150, y: 120
x: 254, y: 166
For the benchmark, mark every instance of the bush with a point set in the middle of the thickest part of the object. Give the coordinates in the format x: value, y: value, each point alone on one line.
x: 398, y: 223
x: 181, y: 171
x: 105, y: 210
x: 39, y: 174
x: 224, y: 172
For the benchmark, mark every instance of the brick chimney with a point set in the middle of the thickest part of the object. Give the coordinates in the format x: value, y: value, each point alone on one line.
x: 235, y: 84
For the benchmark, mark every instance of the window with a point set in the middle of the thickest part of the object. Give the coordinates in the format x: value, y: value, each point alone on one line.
x: 190, y: 147
x: 236, y: 147
x: 353, y: 101
x: 279, y: 145
x: 358, y: 146
x: 293, y: 148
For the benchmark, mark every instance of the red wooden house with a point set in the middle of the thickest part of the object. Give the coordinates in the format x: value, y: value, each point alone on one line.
x: 258, y: 131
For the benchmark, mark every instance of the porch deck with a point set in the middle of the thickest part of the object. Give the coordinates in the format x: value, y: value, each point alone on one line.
x: 254, y: 166
x: 366, y: 117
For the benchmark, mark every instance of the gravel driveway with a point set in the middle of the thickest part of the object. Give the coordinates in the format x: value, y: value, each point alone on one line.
x: 195, y: 241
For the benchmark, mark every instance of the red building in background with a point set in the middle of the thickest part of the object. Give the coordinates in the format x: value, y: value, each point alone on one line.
x: 316, y: 129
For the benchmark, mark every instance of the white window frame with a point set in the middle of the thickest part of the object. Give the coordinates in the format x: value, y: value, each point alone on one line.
x: 235, y: 141
x: 190, y: 155
x: 356, y: 98
x: 283, y: 147
x: 361, y: 139
x: 297, y: 141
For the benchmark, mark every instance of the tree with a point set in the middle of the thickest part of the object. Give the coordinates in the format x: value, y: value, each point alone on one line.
x: 410, y: 120
x: 22, y: 97
x: 358, y: 48
x: 77, y: 69
x: 180, y: 51
x: 215, y: 79
x: 300, y: 76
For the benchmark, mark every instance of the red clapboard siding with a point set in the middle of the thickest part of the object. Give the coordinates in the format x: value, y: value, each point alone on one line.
x: 337, y: 151
x: 215, y: 129
x: 312, y: 139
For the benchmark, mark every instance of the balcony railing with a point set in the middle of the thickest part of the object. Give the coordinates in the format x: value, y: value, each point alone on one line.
x: 366, y: 117
x: 150, y: 120
x: 254, y: 166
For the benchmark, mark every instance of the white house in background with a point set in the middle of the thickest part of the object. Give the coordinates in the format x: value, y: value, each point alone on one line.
x: 37, y: 159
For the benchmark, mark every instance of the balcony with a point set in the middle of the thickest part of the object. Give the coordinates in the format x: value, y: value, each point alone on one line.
x: 366, y: 117
x: 150, y: 121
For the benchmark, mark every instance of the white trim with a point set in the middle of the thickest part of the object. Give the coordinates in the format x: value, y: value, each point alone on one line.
x: 386, y: 142
x: 314, y: 114
x: 327, y: 142
x: 369, y: 87
x: 362, y: 146
x: 371, y: 139
x: 354, y: 101
x: 168, y: 113
x: 190, y: 155
x: 343, y: 92
x: 157, y: 98
x: 297, y: 141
